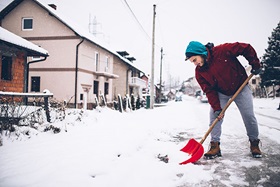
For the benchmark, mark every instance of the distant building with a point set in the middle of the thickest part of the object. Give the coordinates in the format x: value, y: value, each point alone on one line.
x: 190, y: 86
x: 254, y: 84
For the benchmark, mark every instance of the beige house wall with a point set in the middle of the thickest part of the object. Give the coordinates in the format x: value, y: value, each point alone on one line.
x: 89, y: 72
x: 129, y: 81
x: 62, y: 53
x: 43, y: 23
x: 120, y: 83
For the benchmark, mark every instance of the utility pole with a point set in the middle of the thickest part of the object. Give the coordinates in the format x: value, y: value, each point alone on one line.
x: 160, y: 79
x: 152, y: 88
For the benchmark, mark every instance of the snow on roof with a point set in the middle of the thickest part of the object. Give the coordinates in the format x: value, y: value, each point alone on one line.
x: 12, y: 38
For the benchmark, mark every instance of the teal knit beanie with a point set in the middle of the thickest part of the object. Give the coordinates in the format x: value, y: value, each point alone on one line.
x: 195, y: 48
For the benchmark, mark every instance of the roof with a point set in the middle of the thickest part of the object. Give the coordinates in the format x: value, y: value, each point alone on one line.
x: 12, y: 39
x: 75, y: 28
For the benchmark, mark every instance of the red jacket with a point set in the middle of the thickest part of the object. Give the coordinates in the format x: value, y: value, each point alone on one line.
x: 222, y: 72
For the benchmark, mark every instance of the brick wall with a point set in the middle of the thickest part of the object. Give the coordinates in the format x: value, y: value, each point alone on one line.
x: 17, y: 82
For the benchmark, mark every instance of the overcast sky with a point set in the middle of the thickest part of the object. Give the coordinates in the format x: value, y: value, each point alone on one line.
x: 177, y: 23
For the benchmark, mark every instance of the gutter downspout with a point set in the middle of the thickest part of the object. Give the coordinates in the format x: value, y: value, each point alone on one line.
x: 127, y: 79
x: 76, y: 72
x: 27, y: 72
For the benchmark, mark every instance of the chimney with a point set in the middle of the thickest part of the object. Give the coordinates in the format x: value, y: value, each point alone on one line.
x: 53, y: 6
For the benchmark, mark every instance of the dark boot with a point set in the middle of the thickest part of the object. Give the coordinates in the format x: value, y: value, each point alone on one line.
x: 255, y: 150
x: 214, y: 151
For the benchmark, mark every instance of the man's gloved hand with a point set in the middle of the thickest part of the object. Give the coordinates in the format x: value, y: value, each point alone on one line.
x: 218, y: 114
x: 256, y: 71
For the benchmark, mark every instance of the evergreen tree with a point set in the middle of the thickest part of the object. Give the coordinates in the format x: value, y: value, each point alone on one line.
x: 271, y: 60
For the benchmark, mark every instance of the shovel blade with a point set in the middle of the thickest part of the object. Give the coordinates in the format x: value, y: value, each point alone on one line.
x: 194, y: 149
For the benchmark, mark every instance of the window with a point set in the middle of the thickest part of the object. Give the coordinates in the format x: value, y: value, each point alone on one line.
x: 6, y: 70
x: 95, y: 87
x: 27, y: 23
x: 81, y: 97
x: 107, y: 64
x: 35, y: 84
x: 96, y: 61
x: 106, y: 88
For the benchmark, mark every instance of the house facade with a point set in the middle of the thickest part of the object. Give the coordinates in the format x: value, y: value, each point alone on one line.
x: 258, y: 90
x: 129, y: 81
x: 79, y: 69
x: 14, y: 52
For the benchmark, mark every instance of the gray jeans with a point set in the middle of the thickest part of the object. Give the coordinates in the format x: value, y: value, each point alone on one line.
x: 244, y: 102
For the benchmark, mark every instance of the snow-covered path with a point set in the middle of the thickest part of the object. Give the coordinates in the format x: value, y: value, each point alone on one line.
x: 108, y: 148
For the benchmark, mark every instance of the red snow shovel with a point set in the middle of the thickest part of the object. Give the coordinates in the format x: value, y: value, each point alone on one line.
x: 194, y: 148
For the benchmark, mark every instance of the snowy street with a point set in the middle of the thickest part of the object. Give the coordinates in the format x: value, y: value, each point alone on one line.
x: 105, y: 148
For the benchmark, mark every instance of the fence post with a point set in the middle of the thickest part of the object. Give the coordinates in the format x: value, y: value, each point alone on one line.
x: 46, y: 107
x: 120, y: 103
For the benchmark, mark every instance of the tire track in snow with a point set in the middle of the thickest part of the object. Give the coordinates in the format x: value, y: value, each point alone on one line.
x: 271, y: 117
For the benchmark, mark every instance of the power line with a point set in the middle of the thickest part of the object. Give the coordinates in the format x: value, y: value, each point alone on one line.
x: 140, y: 25
x: 138, y: 22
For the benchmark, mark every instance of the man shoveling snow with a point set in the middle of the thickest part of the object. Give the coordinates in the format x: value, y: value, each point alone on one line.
x: 220, y: 74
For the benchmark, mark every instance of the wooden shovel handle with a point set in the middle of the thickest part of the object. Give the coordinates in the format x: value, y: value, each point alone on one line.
x: 225, y: 108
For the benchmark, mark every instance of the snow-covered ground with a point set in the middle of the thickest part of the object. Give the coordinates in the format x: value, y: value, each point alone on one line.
x: 105, y: 148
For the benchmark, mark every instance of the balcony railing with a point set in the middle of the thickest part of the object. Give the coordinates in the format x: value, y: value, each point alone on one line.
x: 135, y: 81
